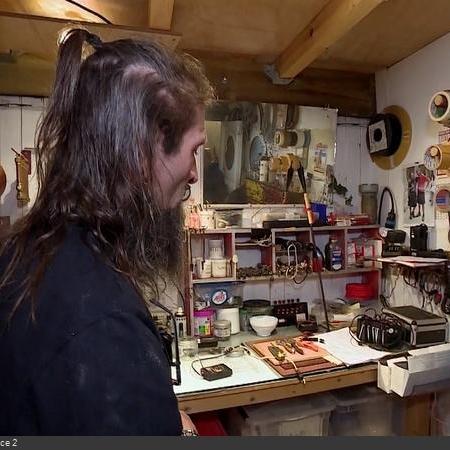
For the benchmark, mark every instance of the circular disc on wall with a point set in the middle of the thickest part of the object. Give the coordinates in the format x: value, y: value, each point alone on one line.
x: 390, y: 162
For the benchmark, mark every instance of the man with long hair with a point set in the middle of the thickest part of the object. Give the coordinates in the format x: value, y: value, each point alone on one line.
x: 116, y: 150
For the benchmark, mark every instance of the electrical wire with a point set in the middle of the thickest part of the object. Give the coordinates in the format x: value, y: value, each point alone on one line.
x: 89, y: 10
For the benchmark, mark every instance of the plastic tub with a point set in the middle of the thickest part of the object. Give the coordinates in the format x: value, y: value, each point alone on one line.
x: 361, y: 411
x: 227, y: 294
x: 299, y: 416
x: 441, y: 414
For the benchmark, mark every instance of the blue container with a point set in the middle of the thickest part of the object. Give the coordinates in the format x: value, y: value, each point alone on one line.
x: 321, y: 210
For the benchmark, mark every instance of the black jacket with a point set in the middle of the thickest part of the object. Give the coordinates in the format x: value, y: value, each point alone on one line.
x: 92, y: 364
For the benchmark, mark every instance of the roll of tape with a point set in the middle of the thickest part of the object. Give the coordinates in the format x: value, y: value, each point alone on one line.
x: 439, y: 107
x: 437, y: 157
x: 442, y: 200
x: 286, y: 138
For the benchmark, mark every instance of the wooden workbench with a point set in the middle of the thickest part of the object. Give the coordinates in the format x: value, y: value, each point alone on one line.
x: 417, y: 409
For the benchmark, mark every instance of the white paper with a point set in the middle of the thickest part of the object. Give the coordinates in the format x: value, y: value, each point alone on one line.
x: 246, y: 370
x: 413, y: 261
x: 433, y: 358
x: 344, y: 347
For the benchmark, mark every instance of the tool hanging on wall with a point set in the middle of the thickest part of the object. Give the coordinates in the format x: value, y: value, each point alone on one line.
x: 437, y: 157
x: 317, y: 262
x: 22, y: 172
x: 391, y: 218
x: 4, y: 220
x: 2, y: 180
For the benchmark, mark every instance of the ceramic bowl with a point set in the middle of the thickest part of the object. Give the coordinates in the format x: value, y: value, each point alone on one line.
x: 263, y: 325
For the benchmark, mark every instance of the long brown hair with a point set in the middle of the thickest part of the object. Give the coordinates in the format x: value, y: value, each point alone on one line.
x: 95, y: 149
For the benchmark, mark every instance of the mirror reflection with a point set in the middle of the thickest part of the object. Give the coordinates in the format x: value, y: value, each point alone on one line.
x: 251, y: 146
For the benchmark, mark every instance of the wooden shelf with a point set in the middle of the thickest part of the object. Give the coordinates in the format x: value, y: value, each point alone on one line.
x: 325, y: 273
x: 213, y: 280
x: 278, y: 230
x: 244, y: 245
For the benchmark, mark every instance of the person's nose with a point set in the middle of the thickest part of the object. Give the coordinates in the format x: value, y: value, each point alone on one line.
x: 193, y: 174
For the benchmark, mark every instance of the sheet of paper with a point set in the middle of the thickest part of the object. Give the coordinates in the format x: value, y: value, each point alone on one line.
x: 429, y: 358
x: 412, y: 261
x: 344, y: 347
x: 246, y: 370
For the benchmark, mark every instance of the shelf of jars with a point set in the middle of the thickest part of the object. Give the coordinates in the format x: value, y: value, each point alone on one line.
x: 223, y: 255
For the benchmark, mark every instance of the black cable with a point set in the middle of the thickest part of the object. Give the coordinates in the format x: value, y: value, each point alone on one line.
x: 392, y: 211
x: 393, y: 287
x: 91, y: 11
x: 177, y: 362
x: 201, y: 363
x: 302, y: 280
x: 382, y: 322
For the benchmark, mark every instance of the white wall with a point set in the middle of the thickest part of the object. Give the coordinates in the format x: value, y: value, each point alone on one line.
x: 410, y: 84
x: 17, y: 130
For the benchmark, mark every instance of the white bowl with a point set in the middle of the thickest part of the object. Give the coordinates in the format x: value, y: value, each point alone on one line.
x: 263, y: 325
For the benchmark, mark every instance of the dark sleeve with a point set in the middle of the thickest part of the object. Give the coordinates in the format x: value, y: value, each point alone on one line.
x: 110, y: 379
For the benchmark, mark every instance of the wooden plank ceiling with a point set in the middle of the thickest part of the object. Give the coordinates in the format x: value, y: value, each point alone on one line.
x: 329, y: 48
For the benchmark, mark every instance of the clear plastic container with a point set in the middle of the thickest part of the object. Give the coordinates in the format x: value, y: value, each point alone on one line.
x: 361, y: 411
x: 441, y: 414
x: 228, y: 293
x: 299, y: 416
x: 369, y: 200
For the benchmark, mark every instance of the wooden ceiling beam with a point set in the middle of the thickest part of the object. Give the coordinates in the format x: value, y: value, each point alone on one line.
x: 160, y: 14
x: 240, y: 78
x: 332, y: 22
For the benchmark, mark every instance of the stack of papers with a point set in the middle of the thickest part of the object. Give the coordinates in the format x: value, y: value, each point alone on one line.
x: 344, y: 347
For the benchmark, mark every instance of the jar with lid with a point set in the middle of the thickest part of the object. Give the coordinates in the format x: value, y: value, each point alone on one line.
x: 222, y: 329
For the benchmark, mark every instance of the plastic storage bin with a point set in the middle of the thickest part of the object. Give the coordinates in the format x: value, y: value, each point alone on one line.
x: 441, y: 414
x: 299, y: 416
x: 226, y: 294
x: 361, y: 411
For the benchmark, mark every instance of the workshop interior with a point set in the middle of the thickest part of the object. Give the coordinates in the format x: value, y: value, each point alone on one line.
x: 314, y: 295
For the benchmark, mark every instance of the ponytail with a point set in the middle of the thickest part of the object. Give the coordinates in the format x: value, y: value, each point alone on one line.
x: 68, y: 68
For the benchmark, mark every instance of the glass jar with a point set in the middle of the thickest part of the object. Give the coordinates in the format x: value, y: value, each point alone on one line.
x: 222, y: 329
x: 188, y: 347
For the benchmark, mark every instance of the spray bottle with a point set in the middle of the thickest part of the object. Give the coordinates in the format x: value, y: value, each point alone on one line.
x: 181, y: 322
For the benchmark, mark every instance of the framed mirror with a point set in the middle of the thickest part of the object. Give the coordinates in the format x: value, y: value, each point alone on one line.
x: 251, y: 146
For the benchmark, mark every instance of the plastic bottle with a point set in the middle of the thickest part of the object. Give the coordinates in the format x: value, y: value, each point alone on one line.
x: 333, y: 255
x: 181, y: 321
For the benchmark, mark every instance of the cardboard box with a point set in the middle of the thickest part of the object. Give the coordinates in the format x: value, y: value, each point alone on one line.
x: 419, y: 370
